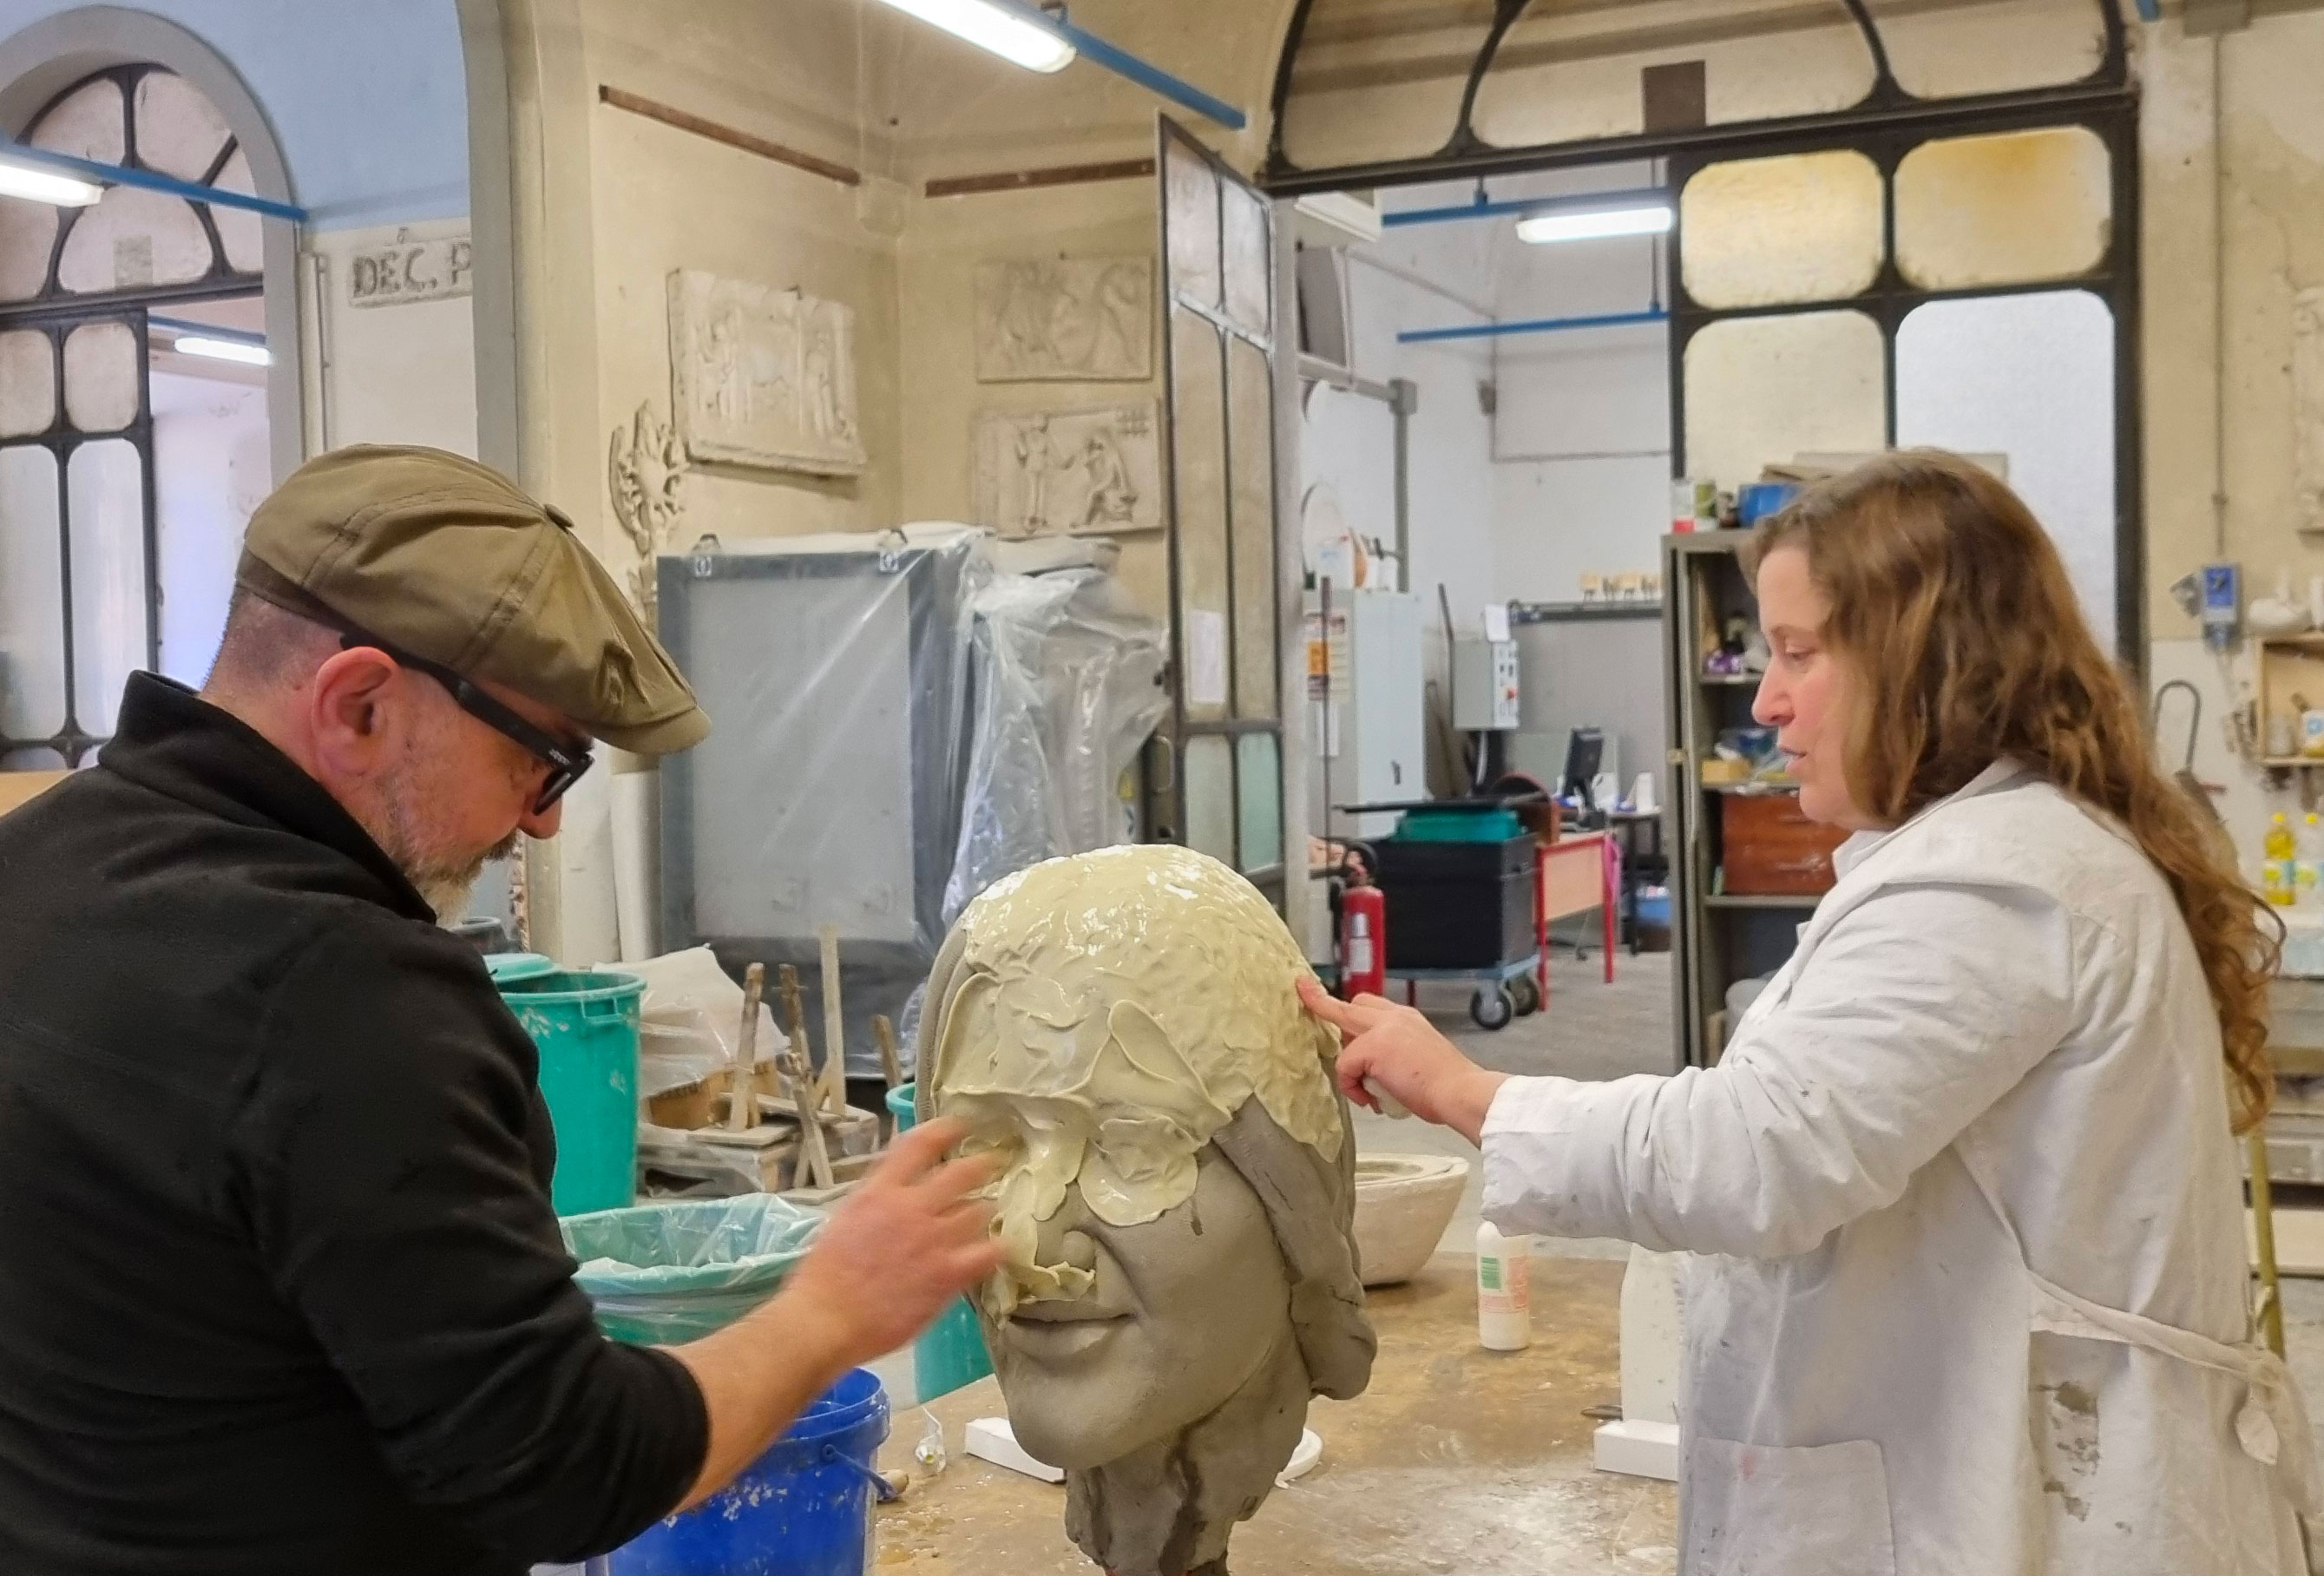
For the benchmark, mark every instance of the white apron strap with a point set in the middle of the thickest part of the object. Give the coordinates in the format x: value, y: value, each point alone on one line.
x: 2271, y: 1423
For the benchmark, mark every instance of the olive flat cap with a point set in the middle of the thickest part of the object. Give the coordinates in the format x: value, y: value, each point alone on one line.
x: 449, y: 559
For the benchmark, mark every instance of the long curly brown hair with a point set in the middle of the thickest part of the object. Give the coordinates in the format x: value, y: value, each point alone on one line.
x: 1953, y: 609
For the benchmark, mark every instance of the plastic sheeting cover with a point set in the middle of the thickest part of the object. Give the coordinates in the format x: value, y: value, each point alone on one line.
x: 1068, y: 688
x: 662, y: 1273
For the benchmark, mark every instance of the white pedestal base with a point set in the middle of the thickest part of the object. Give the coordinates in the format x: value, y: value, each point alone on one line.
x: 1640, y: 1449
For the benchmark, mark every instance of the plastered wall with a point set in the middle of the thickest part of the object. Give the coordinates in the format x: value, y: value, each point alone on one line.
x: 944, y: 239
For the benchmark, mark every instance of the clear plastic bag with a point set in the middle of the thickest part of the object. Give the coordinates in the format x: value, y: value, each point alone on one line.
x: 667, y: 1273
x: 691, y: 1020
x: 1068, y: 689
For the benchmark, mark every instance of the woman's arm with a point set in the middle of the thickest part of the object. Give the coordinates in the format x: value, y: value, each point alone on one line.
x: 1922, y: 1007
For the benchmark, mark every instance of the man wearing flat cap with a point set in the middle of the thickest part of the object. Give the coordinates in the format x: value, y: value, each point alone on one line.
x: 281, y: 1287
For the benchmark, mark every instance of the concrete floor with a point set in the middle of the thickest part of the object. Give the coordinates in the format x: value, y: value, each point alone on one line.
x: 1589, y: 1030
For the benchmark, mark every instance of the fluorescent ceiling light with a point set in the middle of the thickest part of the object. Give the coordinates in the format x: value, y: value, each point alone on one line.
x: 18, y: 178
x: 1590, y: 225
x: 1001, y: 29
x: 222, y: 349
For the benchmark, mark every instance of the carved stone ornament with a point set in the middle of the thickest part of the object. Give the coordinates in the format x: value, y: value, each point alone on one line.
x: 645, y: 469
x: 762, y: 376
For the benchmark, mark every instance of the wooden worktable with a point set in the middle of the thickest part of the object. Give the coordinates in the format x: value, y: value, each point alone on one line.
x: 1456, y: 1459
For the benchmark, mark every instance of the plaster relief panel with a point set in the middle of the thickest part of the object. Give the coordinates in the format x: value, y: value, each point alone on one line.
x: 762, y: 376
x: 1074, y: 318
x: 1093, y: 472
x: 2308, y: 406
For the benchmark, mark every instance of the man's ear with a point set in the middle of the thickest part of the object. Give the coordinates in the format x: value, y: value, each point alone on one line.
x: 350, y: 709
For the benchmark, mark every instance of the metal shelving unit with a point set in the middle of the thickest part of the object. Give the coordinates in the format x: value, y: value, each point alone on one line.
x: 1717, y: 938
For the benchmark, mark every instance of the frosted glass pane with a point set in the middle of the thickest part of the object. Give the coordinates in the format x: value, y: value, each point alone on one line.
x: 2031, y: 377
x: 1260, y: 789
x: 1250, y: 419
x: 1990, y: 46
x: 1191, y: 192
x: 89, y: 123
x: 31, y: 761
x: 1799, y: 227
x: 241, y: 232
x: 28, y: 382
x: 104, y: 377
x: 28, y: 234
x: 105, y: 488
x: 1567, y: 72
x: 1249, y: 259
x: 1198, y: 448
x: 32, y: 597
x: 1210, y: 809
x: 2015, y: 206
x: 131, y: 239
x: 1762, y: 389
x: 179, y: 131
x: 1379, y: 79
x: 210, y: 469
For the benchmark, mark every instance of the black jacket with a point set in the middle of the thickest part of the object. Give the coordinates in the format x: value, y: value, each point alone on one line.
x: 281, y: 1289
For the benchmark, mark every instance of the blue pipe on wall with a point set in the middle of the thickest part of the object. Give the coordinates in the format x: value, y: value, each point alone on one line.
x: 1588, y: 203
x: 1529, y: 325
x: 152, y: 180
x: 1122, y: 63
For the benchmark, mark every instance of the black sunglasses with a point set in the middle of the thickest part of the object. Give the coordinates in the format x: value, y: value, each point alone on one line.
x: 566, y: 763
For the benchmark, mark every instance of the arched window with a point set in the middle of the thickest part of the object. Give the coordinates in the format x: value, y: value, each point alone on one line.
x: 99, y: 573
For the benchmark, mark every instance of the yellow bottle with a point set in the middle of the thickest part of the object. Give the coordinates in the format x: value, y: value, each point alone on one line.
x: 2278, y: 878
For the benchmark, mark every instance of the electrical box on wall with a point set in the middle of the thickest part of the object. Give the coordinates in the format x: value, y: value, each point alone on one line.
x: 1485, y: 692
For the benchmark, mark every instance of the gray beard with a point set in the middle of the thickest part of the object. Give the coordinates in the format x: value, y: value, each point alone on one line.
x: 444, y: 886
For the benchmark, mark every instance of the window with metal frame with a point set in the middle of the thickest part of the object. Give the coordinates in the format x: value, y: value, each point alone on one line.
x: 80, y: 569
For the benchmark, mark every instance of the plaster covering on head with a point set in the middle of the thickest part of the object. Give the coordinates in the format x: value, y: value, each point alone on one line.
x: 1101, y: 1017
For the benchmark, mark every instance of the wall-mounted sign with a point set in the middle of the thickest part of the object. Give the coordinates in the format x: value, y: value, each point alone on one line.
x: 411, y: 270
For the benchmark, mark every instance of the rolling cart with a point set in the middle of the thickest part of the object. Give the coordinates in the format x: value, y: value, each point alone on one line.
x: 1462, y: 881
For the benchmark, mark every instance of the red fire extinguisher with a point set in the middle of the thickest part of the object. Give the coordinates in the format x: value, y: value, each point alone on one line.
x: 1364, y: 941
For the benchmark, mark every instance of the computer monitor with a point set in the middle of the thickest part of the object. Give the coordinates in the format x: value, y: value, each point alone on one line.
x: 1585, y: 750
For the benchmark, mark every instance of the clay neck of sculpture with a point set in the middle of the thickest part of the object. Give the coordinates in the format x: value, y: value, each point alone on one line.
x: 1167, y: 1508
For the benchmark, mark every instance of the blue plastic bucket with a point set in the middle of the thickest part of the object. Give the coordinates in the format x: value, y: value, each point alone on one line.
x: 950, y: 1353
x: 804, y: 1508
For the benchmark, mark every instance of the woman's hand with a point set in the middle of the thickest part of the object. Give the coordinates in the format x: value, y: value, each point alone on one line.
x: 1392, y: 1050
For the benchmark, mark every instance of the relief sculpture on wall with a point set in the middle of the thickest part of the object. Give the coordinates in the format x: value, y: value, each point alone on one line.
x: 1055, y: 318
x: 1093, y: 472
x: 2308, y: 407
x: 762, y: 376
x: 645, y: 468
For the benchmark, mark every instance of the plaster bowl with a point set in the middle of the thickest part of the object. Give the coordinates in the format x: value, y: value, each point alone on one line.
x: 1403, y: 1204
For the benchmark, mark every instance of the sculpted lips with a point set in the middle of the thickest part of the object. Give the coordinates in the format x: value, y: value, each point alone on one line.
x: 1053, y: 1329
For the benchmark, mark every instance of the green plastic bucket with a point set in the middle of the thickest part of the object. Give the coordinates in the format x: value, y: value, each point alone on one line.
x: 587, y: 1026
x: 950, y: 1352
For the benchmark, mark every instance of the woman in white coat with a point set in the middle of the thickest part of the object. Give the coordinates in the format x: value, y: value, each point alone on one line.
x: 1968, y: 1293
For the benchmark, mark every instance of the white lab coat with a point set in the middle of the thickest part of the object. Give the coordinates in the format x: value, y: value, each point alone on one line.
x: 1971, y: 1295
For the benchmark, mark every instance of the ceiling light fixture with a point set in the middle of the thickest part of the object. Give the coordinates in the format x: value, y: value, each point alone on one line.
x: 35, y: 184
x: 1591, y: 225
x: 1014, y: 33
x: 223, y: 350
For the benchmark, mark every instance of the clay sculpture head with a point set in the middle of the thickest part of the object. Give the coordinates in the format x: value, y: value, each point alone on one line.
x: 1178, y: 1206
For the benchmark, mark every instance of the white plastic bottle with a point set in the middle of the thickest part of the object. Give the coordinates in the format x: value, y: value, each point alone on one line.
x: 1504, y: 1292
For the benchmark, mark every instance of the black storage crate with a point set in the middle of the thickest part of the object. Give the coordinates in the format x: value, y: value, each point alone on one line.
x: 1457, y: 905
